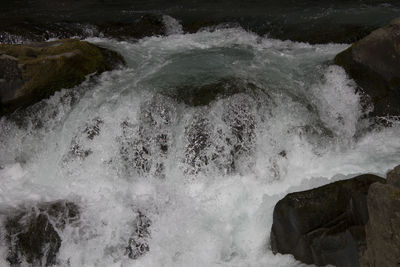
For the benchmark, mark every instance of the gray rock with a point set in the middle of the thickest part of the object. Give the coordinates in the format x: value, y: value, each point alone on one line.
x: 383, y: 228
x: 324, y: 225
x: 373, y: 62
x: 393, y: 177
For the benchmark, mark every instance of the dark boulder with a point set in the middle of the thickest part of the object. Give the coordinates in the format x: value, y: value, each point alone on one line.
x: 31, y: 72
x: 383, y: 228
x: 92, y: 128
x: 324, y: 225
x: 32, y: 234
x: 374, y: 63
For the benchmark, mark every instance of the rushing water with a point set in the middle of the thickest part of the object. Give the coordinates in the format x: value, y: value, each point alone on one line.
x: 314, y: 21
x: 206, y: 172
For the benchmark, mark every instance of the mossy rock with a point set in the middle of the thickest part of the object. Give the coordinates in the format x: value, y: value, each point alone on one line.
x: 31, y: 72
x: 374, y: 63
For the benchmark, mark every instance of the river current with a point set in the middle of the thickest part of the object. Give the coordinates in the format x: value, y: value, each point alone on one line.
x: 206, y: 169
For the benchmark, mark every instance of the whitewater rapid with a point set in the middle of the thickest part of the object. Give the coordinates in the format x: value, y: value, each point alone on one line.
x: 207, y: 176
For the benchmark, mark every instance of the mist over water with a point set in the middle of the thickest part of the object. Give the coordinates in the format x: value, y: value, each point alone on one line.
x: 206, y: 169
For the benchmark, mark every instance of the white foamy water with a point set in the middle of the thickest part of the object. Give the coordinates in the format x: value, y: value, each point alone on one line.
x: 207, y: 176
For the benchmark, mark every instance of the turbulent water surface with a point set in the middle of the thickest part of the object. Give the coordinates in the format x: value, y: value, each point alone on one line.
x: 314, y: 21
x: 206, y: 169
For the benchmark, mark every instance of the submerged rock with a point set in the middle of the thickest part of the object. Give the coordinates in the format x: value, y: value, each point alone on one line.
x: 325, y: 225
x: 79, y: 143
x: 144, y: 146
x: 92, y: 128
x: 383, y: 228
x: 374, y: 63
x: 205, y: 94
x: 226, y: 147
x: 138, y: 244
x: 197, y: 137
x: 32, y: 234
x: 29, y: 73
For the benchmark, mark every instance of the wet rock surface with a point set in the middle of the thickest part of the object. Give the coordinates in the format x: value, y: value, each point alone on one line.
x: 383, y: 228
x: 29, y: 73
x: 393, y: 177
x: 373, y: 63
x: 325, y: 225
x: 32, y: 233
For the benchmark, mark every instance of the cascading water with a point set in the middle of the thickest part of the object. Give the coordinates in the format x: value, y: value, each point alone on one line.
x: 193, y: 143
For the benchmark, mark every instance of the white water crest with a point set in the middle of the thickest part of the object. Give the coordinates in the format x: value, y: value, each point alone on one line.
x: 172, y: 26
x: 207, y: 174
